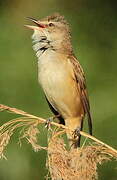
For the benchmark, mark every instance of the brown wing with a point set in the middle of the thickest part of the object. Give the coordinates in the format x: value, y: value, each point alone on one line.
x: 81, y: 81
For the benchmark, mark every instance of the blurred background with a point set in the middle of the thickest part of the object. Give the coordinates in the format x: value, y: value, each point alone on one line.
x: 94, y: 35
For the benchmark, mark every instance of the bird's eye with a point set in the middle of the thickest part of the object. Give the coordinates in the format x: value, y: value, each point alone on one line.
x: 51, y: 24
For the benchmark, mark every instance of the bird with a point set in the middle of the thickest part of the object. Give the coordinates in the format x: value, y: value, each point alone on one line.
x: 61, y: 75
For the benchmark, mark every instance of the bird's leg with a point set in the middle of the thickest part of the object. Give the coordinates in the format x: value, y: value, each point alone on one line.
x: 56, y: 116
x: 76, y: 132
x: 49, y: 120
x: 77, y: 137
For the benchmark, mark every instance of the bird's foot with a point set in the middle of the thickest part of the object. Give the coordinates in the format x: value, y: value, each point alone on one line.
x: 49, y: 120
x: 76, y: 132
x: 77, y: 137
x: 48, y: 123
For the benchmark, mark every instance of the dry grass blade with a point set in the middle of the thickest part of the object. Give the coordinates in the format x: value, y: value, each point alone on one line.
x: 4, y: 140
x: 78, y: 163
x: 28, y: 129
x: 63, y: 165
x: 41, y: 120
x: 31, y: 134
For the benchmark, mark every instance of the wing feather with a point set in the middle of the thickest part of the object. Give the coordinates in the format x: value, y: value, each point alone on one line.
x: 81, y: 82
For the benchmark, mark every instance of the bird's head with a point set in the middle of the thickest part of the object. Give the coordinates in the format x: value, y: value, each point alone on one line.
x: 53, y: 29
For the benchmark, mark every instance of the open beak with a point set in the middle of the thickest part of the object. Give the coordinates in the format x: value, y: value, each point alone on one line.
x: 38, y: 24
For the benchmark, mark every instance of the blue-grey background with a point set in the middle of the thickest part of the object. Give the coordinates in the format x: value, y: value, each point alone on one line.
x: 94, y: 35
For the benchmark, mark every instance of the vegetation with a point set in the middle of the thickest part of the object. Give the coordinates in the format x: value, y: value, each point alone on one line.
x: 62, y: 163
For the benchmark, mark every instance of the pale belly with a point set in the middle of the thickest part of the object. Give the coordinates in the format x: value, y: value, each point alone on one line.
x: 60, y: 88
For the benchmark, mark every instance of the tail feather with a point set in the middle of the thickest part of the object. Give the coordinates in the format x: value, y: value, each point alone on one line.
x: 87, y: 110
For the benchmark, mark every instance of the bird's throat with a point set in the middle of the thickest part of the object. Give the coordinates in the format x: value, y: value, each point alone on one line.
x: 42, y: 43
